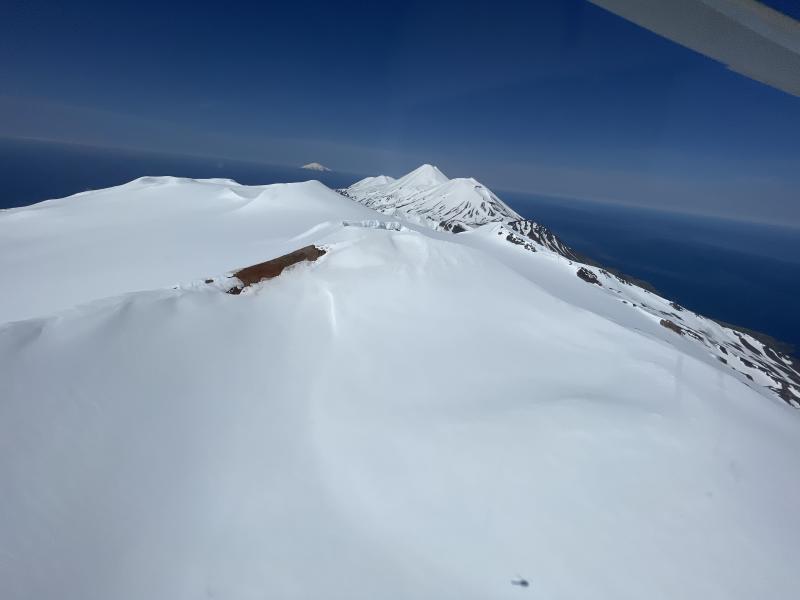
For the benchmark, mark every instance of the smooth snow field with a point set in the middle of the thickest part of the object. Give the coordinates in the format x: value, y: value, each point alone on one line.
x: 415, y: 415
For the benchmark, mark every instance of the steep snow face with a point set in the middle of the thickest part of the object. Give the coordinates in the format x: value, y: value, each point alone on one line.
x: 464, y: 202
x: 414, y: 414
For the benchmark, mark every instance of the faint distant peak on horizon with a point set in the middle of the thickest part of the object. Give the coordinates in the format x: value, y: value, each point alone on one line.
x: 315, y: 166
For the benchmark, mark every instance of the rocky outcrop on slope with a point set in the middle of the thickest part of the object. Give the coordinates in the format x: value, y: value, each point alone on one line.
x: 758, y: 362
x: 542, y: 236
x: 428, y: 196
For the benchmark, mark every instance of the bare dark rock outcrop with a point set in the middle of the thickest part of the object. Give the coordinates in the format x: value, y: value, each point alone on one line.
x: 672, y: 325
x: 542, y: 236
x: 748, y: 345
x: 780, y: 368
x: 588, y: 276
x: 452, y: 227
x: 517, y: 240
x: 272, y: 268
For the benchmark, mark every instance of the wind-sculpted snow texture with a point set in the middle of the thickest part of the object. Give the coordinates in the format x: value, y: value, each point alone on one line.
x: 408, y: 414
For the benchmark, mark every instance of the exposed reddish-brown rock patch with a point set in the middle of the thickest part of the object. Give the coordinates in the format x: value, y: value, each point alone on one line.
x: 272, y: 268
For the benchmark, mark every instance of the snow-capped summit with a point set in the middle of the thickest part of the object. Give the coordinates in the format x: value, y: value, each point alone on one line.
x: 457, y: 205
x: 427, y: 193
x: 371, y: 182
x: 315, y: 166
x: 423, y: 176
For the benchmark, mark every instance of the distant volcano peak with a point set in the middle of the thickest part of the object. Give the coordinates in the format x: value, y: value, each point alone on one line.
x: 315, y: 166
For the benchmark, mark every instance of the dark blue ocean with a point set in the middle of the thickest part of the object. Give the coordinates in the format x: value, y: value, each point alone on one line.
x: 740, y: 273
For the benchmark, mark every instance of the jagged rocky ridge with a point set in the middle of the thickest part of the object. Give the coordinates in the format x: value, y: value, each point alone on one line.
x: 426, y: 196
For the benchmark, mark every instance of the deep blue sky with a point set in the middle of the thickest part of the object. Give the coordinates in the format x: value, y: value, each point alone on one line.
x: 552, y: 96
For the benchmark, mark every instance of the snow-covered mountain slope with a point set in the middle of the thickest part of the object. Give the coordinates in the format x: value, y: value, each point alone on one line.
x: 748, y: 358
x: 404, y: 413
x: 152, y: 233
x: 428, y: 198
